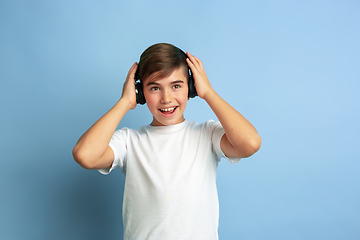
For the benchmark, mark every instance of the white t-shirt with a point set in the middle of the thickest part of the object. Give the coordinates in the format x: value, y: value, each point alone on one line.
x: 170, y: 184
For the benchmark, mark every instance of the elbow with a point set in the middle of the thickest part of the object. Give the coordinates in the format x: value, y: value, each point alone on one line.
x: 252, y: 146
x: 256, y: 144
x: 80, y: 157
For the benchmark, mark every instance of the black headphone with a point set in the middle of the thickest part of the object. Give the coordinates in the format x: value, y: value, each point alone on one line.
x: 140, y: 98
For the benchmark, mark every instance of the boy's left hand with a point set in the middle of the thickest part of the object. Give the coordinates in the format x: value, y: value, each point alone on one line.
x: 202, y: 83
x: 241, y: 138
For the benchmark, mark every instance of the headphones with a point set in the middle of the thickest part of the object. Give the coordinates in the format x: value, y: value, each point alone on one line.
x: 140, y: 98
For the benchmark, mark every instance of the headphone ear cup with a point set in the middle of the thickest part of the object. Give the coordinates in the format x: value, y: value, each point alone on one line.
x: 140, y: 98
x: 191, y: 83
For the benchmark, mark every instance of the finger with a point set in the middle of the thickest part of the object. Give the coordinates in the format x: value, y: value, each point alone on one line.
x: 191, y: 65
x: 134, y: 67
x: 197, y: 62
x: 194, y: 59
x: 132, y: 71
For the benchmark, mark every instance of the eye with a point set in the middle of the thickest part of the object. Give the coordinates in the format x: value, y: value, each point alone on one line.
x: 176, y: 86
x: 154, y: 89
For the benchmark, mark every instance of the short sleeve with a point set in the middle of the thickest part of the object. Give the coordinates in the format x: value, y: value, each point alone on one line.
x: 118, y: 145
x: 217, y: 133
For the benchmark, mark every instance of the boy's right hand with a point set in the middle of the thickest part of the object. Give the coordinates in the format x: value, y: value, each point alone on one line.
x: 128, y: 91
x: 92, y: 151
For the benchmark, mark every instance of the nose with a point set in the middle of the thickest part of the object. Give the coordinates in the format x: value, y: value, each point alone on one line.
x: 166, y: 96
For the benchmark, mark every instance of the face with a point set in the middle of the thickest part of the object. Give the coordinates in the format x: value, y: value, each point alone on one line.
x: 166, y: 98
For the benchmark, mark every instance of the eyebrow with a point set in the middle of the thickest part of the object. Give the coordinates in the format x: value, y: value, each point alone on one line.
x: 157, y: 84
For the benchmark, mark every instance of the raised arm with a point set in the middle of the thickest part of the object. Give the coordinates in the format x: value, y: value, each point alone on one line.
x: 92, y: 150
x: 241, y: 138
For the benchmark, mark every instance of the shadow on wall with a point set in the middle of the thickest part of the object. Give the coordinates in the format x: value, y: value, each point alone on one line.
x: 47, y: 195
x: 71, y: 203
x: 60, y: 200
x: 91, y: 206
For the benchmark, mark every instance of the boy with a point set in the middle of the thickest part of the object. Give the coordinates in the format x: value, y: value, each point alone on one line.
x: 170, y: 165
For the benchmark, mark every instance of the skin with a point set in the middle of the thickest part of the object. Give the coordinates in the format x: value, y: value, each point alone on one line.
x: 168, y: 93
x: 241, y: 139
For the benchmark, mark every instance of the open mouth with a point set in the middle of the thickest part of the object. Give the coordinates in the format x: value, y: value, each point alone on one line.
x: 168, y: 111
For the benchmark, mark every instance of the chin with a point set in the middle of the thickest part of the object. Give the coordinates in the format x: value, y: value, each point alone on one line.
x: 165, y: 122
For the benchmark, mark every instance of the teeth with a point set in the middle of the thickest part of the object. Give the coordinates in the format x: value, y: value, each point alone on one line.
x: 167, y: 109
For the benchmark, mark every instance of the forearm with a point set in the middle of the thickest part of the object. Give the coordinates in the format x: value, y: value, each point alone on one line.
x: 241, y: 138
x: 94, y: 142
x: 241, y: 134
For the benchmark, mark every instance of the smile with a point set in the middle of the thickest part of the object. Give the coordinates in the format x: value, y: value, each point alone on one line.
x: 168, y: 111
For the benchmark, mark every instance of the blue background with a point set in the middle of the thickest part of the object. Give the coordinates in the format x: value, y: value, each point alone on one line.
x: 292, y: 68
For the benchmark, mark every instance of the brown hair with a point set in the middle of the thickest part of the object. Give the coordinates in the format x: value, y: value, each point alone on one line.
x: 160, y: 60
